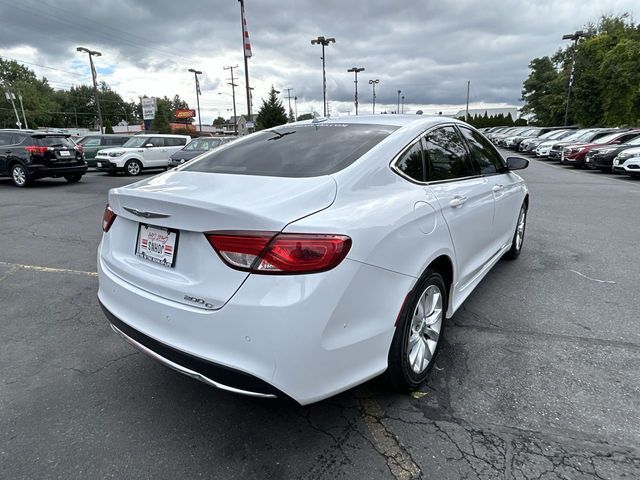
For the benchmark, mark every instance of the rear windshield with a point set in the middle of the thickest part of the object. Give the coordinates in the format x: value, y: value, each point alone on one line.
x: 52, y: 141
x: 307, y: 150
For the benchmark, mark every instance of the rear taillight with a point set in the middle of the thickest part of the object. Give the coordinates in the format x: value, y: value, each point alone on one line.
x: 280, y: 253
x: 108, y: 218
x: 36, y: 150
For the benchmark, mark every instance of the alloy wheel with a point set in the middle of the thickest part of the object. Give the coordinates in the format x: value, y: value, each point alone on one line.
x: 19, y: 175
x: 522, y: 219
x: 426, y: 325
x: 133, y: 168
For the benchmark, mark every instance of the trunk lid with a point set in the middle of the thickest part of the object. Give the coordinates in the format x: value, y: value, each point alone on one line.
x: 192, y: 203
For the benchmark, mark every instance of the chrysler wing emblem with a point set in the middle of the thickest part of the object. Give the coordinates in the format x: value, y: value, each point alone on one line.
x: 140, y: 213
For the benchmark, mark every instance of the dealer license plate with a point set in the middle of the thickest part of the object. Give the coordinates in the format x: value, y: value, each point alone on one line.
x: 157, y: 244
x: 99, y: 164
x: 65, y: 153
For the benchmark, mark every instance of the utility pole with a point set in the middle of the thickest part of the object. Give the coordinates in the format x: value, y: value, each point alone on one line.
x: 93, y: 53
x: 11, y: 97
x: 466, y: 113
x: 373, y: 84
x: 26, y: 125
x: 233, y: 94
x: 355, y: 70
x: 575, y: 37
x: 324, y: 42
x: 195, y: 75
x: 290, y: 113
x: 246, y: 47
x: 295, y: 103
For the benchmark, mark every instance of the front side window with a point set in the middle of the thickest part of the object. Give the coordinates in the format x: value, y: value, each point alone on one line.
x: 485, y: 155
x: 307, y: 150
x: 174, y: 142
x: 155, y: 142
x: 412, y: 164
x: 446, y: 156
x: 90, y: 141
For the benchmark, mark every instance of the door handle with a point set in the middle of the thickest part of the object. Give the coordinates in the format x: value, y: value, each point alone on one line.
x: 497, y: 188
x: 457, y: 201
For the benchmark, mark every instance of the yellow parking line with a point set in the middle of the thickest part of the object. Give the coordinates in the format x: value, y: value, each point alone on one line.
x: 39, y: 268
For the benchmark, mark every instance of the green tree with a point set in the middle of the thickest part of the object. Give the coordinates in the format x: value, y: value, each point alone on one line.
x: 218, y: 122
x: 107, y: 126
x: 272, y: 113
x: 305, y: 116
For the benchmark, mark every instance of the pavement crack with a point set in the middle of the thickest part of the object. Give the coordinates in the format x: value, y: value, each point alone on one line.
x: 106, y: 365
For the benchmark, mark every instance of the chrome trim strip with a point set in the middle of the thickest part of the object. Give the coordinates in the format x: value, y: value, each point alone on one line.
x: 186, y: 371
x: 140, y: 213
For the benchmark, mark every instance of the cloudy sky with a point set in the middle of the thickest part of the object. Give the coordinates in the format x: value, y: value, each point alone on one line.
x: 428, y: 49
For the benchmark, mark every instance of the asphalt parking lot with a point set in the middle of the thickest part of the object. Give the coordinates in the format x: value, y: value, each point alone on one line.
x: 539, y: 376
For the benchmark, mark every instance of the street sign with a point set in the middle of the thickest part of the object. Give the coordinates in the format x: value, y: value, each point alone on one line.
x: 185, y: 113
x: 148, y: 107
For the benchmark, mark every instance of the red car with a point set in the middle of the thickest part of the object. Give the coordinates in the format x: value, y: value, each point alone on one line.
x: 575, y: 154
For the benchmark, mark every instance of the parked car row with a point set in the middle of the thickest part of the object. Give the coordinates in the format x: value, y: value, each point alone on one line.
x: 606, y: 149
x: 27, y: 155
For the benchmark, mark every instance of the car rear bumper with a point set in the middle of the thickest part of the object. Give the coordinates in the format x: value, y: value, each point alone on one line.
x: 41, y: 171
x: 306, y: 337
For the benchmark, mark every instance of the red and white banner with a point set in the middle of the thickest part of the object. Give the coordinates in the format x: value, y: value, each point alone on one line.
x: 245, y: 33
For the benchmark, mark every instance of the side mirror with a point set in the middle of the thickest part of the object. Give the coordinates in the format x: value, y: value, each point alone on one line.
x: 517, y: 163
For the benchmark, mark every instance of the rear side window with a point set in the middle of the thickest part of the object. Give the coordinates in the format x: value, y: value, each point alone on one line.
x: 115, y: 140
x: 175, y: 142
x: 485, y: 155
x: 446, y: 155
x: 51, y: 141
x: 6, y: 139
x: 411, y: 163
x: 307, y: 150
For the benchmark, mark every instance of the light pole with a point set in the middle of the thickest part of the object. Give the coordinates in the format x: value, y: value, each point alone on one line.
x: 93, y: 53
x: 398, y: 107
x: 373, y: 84
x: 355, y: 71
x: 575, y: 37
x: 295, y: 103
x: 195, y: 75
x: 324, y: 42
x: 11, y: 97
x: 402, y: 105
x: 233, y: 94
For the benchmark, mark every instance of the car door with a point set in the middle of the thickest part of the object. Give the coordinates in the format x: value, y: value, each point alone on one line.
x: 6, y: 140
x: 465, y: 198
x: 155, y: 152
x: 504, y: 185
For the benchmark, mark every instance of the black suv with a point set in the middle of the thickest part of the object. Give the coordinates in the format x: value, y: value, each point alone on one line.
x: 26, y: 155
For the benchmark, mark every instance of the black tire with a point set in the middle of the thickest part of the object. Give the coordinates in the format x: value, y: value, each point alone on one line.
x: 516, y: 245
x: 73, y: 177
x: 19, y: 175
x: 400, y: 374
x: 133, y: 168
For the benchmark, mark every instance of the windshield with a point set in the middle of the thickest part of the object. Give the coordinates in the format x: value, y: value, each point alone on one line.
x: 203, y: 144
x: 307, y: 150
x: 635, y: 141
x: 607, y: 138
x: 135, y: 142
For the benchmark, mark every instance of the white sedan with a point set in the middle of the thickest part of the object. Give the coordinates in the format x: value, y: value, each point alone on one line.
x: 305, y: 259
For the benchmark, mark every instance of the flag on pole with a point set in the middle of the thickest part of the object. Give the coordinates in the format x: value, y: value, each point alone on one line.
x: 245, y: 34
x: 93, y: 72
x: 198, y: 86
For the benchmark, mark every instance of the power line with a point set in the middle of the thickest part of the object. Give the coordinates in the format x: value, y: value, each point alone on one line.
x: 44, y: 66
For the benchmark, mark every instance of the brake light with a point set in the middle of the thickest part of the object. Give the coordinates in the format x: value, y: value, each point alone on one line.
x: 36, y: 150
x: 108, y: 218
x: 280, y: 253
